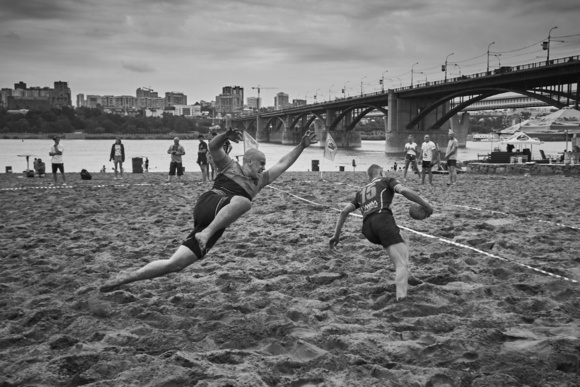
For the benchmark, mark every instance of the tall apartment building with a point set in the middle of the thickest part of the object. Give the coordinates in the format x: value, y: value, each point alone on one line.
x: 174, y: 98
x: 231, y: 100
x: 281, y: 101
x: 254, y: 102
x: 299, y: 102
x: 22, y: 97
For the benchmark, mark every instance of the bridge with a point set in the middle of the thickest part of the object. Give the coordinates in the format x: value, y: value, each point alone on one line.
x: 426, y: 108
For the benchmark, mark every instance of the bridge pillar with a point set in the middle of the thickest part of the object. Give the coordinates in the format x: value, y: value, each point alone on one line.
x: 402, y: 111
x: 262, y: 130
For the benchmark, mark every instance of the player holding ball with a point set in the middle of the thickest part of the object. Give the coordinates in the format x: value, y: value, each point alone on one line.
x: 379, y: 226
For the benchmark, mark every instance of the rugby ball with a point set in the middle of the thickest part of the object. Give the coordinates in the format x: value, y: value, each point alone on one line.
x: 416, y: 211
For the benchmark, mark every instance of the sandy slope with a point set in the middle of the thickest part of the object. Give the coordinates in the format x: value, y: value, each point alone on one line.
x: 271, y: 305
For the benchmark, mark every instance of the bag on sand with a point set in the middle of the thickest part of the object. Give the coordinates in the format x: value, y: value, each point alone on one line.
x: 85, y: 175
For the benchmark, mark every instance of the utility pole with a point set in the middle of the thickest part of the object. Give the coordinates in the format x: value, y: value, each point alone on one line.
x: 258, y: 106
x: 416, y: 63
x: 549, y: 37
x: 487, y: 71
x: 383, y: 81
x: 445, y: 66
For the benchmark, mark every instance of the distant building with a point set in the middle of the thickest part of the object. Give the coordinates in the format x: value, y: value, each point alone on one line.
x: 231, y: 100
x: 281, y: 101
x: 173, y: 98
x: 81, y: 101
x: 187, y: 110
x: 299, y: 102
x: 37, y: 98
x: 254, y: 102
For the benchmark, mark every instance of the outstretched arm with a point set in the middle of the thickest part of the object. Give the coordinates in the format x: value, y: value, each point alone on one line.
x: 285, y: 162
x: 216, y: 146
x: 333, y: 242
x: 412, y: 196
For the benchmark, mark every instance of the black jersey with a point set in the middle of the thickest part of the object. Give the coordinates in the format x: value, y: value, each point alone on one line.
x: 376, y: 196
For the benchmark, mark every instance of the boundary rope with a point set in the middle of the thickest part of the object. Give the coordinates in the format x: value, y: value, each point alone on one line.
x: 444, y: 240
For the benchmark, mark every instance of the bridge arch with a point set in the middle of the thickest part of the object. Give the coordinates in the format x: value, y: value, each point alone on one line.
x: 366, y: 110
x: 485, y: 93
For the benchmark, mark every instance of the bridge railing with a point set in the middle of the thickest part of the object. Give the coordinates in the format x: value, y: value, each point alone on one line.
x: 501, y: 70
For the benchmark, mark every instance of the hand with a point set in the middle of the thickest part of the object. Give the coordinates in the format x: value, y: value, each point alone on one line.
x: 234, y: 135
x: 333, y: 243
x: 308, y: 138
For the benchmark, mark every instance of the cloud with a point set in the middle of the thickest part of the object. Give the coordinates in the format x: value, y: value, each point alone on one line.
x: 12, y: 36
x: 138, y: 67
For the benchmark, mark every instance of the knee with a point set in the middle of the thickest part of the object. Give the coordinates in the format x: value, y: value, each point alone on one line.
x: 243, y: 204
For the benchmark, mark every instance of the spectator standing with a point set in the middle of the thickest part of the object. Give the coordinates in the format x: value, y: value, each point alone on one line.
x: 410, y: 156
x: 117, y: 156
x: 451, y: 156
x: 202, y: 158
x: 176, y: 165
x: 427, y: 153
x: 212, y: 166
x: 56, y: 152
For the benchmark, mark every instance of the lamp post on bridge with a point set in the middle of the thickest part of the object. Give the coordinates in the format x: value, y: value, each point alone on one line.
x: 330, y: 88
x: 499, y: 60
x: 383, y: 81
x: 361, y: 85
x: 459, y: 67
x: 400, y: 82
x: 426, y: 80
x: 316, y: 96
x: 445, y: 66
x: 487, y: 71
x: 344, y: 89
x: 416, y: 63
x: 548, y: 45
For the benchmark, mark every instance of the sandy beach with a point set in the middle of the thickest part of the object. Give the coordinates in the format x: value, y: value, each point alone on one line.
x: 271, y: 305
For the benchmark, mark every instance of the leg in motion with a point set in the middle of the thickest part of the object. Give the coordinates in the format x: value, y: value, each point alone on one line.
x: 399, y: 254
x: 226, y: 216
x: 182, y: 258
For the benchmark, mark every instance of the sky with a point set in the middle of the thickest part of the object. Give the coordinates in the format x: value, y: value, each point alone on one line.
x: 305, y: 48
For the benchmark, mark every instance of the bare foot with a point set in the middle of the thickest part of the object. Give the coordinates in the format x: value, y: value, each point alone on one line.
x: 113, y: 284
x: 202, y: 240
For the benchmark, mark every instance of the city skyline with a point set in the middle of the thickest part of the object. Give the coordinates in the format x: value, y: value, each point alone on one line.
x: 302, y: 48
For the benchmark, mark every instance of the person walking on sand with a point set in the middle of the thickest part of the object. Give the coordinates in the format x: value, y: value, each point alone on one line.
x: 117, y: 156
x: 379, y: 226
x: 451, y: 156
x: 234, y: 189
x: 212, y: 166
x: 410, y: 156
x: 57, y: 161
x: 176, y: 165
x: 427, y: 152
x: 202, y: 151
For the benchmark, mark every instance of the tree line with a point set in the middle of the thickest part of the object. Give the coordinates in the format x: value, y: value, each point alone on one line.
x: 91, y: 120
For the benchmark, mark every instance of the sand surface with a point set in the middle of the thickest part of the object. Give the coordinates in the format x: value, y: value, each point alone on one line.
x: 271, y: 305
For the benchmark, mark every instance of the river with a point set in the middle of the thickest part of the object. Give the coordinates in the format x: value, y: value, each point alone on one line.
x: 93, y: 154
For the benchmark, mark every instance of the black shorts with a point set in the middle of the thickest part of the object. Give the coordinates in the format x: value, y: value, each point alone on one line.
x: 426, y: 164
x: 175, y: 167
x: 451, y: 163
x: 204, y: 212
x: 410, y: 157
x: 57, y: 167
x: 381, y: 229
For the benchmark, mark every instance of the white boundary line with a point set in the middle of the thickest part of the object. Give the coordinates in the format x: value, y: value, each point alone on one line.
x: 492, y: 211
x: 439, y: 239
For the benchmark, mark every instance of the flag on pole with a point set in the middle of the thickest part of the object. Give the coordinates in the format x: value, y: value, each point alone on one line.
x: 250, y: 142
x: 330, y: 148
